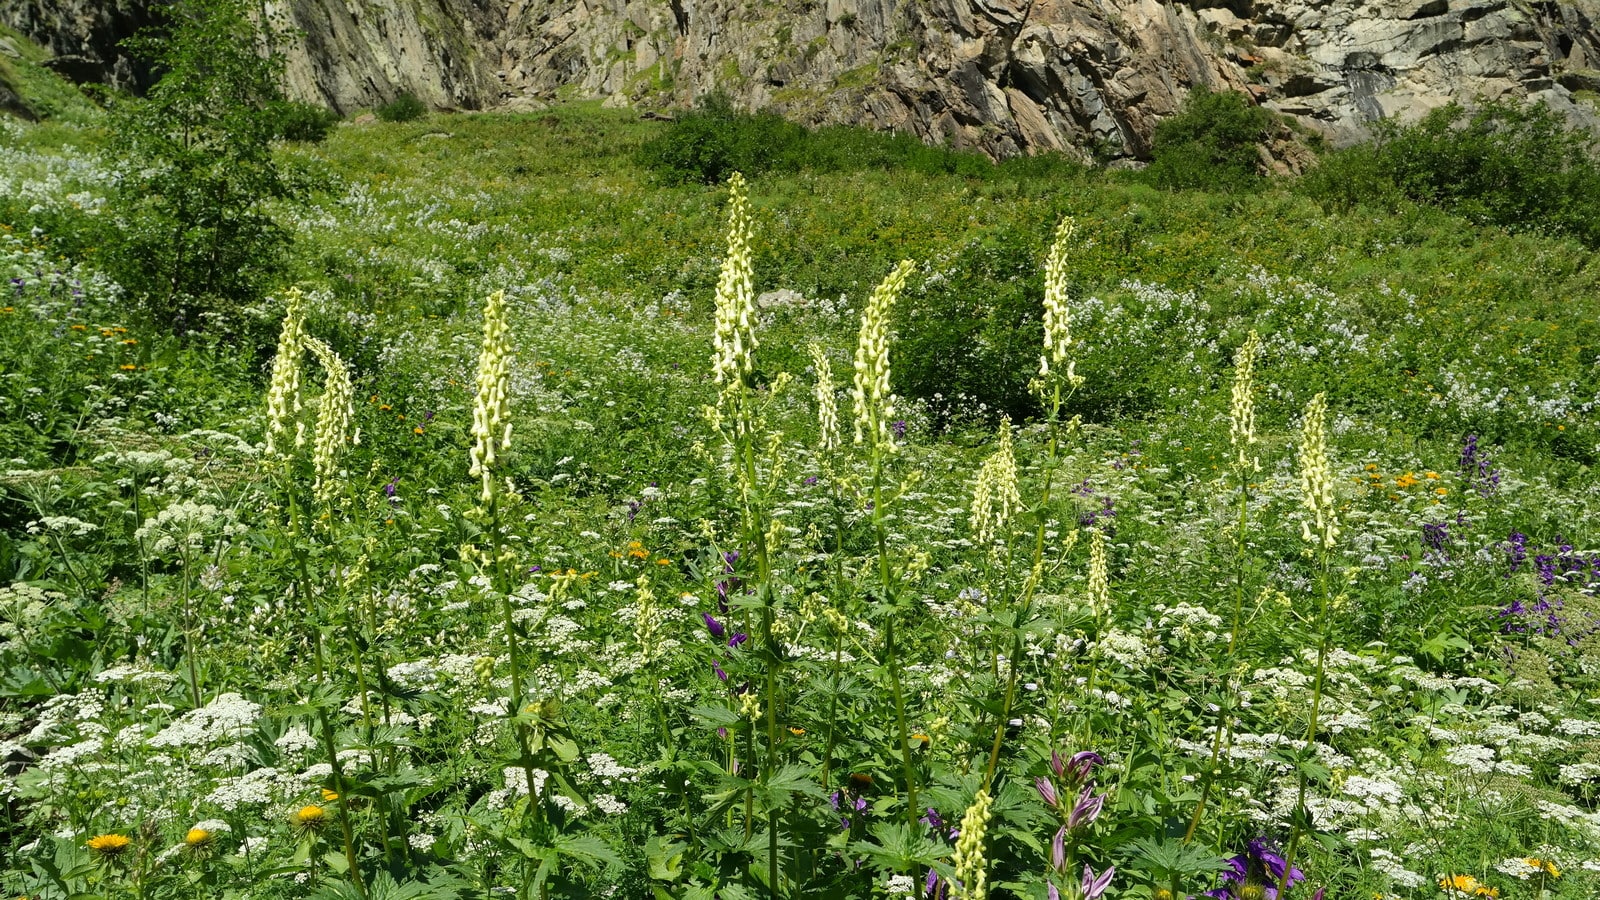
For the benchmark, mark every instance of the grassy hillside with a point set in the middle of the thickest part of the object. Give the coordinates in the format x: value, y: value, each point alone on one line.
x: 737, y: 651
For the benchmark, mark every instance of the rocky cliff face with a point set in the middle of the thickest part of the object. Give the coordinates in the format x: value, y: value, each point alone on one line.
x: 1004, y: 76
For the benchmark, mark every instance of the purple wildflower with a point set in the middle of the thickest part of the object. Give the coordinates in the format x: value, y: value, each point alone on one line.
x: 713, y: 626
x: 1258, y: 866
x: 1094, y: 887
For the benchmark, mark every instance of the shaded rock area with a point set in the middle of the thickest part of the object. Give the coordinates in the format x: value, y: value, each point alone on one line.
x: 1088, y: 77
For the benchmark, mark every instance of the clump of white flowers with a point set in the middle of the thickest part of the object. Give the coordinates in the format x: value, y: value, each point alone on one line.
x: 283, y: 394
x: 733, y: 360
x: 333, y: 418
x: 1242, y: 412
x: 874, y: 404
x: 995, y: 496
x: 827, y: 403
x: 491, y: 422
x: 1316, y: 477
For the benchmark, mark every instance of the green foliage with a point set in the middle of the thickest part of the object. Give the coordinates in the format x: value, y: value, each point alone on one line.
x: 712, y: 141
x: 305, y: 122
x: 1516, y: 166
x: 193, y: 240
x: 1211, y: 144
x: 32, y: 91
x: 707, y: 144
x: 404, y: 108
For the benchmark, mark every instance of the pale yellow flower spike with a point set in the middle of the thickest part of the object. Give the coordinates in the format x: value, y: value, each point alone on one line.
x: 734, y: 341
x: 870, y: 386
x: 333, y: 418
x: 1099, y: 574
x: 283, y: 394
x: 1057, y: 320
x: 1316, y: 477
x: 491, y: 419
x: 1242, y: 430
x: 995, y: 495
x: 971, y: 880
x: 827, y: 403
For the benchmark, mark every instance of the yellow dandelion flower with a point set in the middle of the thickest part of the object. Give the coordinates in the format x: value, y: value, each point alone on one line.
x: 329, y: 796
x: 109, y: 846
x: 308, y: 818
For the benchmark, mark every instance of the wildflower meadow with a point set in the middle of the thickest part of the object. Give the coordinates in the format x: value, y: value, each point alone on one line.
x: 545, y: 531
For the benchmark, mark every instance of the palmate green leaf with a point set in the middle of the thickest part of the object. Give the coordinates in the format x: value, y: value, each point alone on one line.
x: 898, y: 848
x: 587, y: 847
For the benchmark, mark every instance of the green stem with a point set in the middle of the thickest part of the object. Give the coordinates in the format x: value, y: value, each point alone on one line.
x: 1311, y: 727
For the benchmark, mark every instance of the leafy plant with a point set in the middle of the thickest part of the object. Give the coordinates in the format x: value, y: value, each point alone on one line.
x: 1210, y: 144
x: 404, y: 108
x: 192, y: 238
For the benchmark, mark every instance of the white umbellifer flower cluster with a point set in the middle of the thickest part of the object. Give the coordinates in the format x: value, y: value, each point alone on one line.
x: 491, y: 422
x: 870, y: 387
x: 336, y: 409
x: 183, y: 527
x: 995, y: 496
x: 734, y: 341
x: 1057, y: 319
x: 971, y: 881
x: 1099, y: 574
x: 283, y: 394
x: 1242, y: 412
x: 62, y: 525
x: 225, y: 717
x: 900, y: 886
x: 1316, y: 477
x: 827, y: 403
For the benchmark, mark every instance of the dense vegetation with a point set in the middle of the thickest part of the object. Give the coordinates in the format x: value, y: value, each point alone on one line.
x: 1295, y: 532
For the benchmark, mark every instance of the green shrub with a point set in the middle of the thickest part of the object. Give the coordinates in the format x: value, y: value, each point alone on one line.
x: 192, y: 240
x: 403, y: 108
x: 305, y: 122
x: 1519, y: 167
x: 1211, y: 144
x: 712, y: 141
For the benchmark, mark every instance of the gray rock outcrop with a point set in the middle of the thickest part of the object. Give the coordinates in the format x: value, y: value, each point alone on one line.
x: 1089, y: 77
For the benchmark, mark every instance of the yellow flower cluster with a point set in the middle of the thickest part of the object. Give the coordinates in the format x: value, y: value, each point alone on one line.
x: 870, y: 389
x: 491, y: 421
x: 1242, y: 413
x: 283, y: 394
x: 1467, y: 886
x: 995, y: 496
x: 333, y: 418
x: 971, y: 881
x: 735, y: 337
x: 1316, y: 477
x: 1057, y: 320
x: 827, y: 404
x: 1099, y: 574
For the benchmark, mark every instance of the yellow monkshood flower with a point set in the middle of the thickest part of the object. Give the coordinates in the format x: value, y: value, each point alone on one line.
x: 1242, y: 413
x: 870, y: 384
x: 491, y: 420
x: 283, y: 394
x: 1316, y: 477
x: 971, y: 879
x: 1057, y: 319
x: 734, y: 340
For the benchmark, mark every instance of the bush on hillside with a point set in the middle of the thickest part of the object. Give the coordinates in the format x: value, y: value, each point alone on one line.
x: 404, y: 108
x: 1520, y: 167
x: 1211, y: 144
x: 712, y: 141
x: 305, y: 122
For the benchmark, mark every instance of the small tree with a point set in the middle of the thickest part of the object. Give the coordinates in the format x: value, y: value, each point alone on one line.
x: 192, y: 236
x: 1211, y: 143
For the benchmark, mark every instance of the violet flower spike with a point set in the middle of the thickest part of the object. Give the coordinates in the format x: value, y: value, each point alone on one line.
x: 1086, y: 810
x: 1094, y: 887
x: 1051, y: 893
x: 713, y: 626
x: 1058, y: 851
x: 1057, y: 764
x: 1047, y: 791
x: 1083, y: 762
x: 738, y: 639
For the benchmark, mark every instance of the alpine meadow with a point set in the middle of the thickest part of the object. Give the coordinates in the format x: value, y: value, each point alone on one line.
x: 568, y: 504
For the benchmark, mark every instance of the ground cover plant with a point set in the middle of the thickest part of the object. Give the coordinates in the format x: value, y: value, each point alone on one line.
x: 572, y: 534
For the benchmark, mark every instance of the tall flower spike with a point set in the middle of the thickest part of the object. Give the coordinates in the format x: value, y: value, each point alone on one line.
x: 1316, y: 477
x: 491, y: 420
x: 1057, y: 321
x: 995, y: 496
x: 333, y: 418
x: 870, y: 389
x: 735, y: 339
x: 1242, y: 430
x: 1099, y: 577
x: 283, y: 395
x: 970, y: 876
x: 827, y: 402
